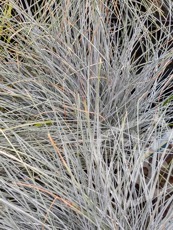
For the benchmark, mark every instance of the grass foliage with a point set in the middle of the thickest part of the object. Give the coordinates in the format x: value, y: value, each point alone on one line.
x: 85, y: 139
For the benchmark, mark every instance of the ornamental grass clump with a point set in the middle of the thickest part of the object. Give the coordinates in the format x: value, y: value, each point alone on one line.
x: 85, y: 115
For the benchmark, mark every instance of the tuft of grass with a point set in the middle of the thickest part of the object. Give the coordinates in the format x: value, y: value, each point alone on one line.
x: 85, y: 107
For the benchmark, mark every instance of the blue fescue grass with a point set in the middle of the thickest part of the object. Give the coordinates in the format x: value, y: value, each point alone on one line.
x: 80, y: 139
